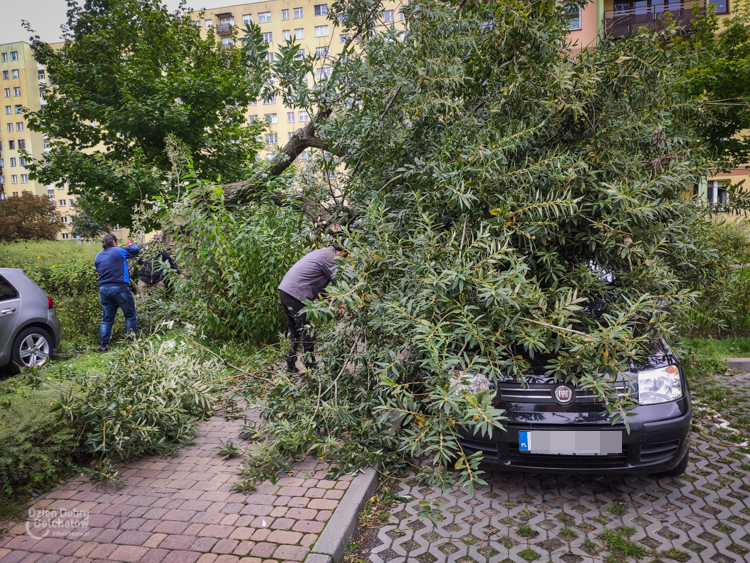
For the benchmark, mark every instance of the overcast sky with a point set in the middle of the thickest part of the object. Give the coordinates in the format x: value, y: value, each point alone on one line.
x: 46, y: 16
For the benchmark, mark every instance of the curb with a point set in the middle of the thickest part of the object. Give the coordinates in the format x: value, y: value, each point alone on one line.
x: 738, y: 363
x: 334, y: 539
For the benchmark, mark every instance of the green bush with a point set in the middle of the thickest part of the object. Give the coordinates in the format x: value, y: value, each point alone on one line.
x: 36, y: 449
x: 723, y: 309
x: 233, y: 263
x: 146, y: 401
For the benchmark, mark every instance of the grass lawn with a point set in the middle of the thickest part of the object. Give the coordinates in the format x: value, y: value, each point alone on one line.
x: 732, y: 347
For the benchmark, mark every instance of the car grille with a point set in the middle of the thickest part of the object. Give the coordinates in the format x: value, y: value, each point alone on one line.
x: 659, y: 451
x: 521, y: 459
x: 543, y: 393
x: 488, y: 449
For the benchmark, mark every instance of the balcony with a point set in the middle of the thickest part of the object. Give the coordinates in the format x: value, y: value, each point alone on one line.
x: 224, y: 28
x: 622, y: 23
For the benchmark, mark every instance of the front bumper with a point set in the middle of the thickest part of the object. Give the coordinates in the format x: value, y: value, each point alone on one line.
x: 659, y: 438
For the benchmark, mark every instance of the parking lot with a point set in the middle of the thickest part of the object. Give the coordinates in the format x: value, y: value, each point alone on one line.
x: 702, y: 516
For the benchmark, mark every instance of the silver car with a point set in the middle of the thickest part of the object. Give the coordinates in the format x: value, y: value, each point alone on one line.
x: 29, y: 328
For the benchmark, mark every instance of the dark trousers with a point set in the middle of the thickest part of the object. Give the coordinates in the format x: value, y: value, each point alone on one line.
x: 113, y: 298
x: 296, y: 322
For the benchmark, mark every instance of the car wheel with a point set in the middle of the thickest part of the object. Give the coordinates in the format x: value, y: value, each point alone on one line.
x: 31, y: 348
x: 679, y: 469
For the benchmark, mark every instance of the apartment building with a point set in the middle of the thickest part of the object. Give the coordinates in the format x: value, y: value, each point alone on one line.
x: 307, y: 22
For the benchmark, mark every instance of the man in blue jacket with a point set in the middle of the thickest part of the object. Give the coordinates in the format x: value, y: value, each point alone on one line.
x: 114, y: 292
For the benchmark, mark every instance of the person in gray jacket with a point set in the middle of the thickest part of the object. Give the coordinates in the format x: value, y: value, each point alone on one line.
x: 305, y: 281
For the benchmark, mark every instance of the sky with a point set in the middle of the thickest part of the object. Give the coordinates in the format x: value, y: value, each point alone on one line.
x: 46, y: 16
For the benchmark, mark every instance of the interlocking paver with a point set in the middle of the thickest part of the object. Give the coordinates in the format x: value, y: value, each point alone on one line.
x: 183, y: 509
x: 702, y: 517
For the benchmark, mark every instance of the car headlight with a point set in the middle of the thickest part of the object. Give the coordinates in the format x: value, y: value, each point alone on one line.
x: 472, y: 382
x: 659, y: 385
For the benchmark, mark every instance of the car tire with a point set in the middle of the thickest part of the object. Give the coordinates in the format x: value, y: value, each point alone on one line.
x: 680, y: 468
x: 26, y: 346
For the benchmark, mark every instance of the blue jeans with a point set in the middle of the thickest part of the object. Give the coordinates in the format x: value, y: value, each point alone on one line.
x: 111, y: 297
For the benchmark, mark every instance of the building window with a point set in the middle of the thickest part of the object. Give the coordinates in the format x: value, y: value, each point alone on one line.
x: 19, y: 108
x: 323, y: 73
x: 321, y: 31
x: 272, y: 139
x: 7, y: 92
x: 264, y: 17
x: 300, y: 55
x: 271, y: 118
x: 116, y: 228
x: 3, y: 195
x: 299, y: 33
x: 16, y: 74
x: 209, y: 24
x: 388, y: 16
x: 5, y: 57
x: 13, y: 161
x: 40, y: 74
x: 14, y: 180
x: 65, y: 236
x: 21, y: 144
x: 61, y: 186
x: 304, y: 116
x: 198, y: 24
x: 17, y: 91
x: 6, y: 76
x: 400, y: 16
x: 19, y: 126
x: 253, y: 103
x: 716, y: 192
x: 11, y: 145
x: 286, y: 35
x: 15, y: 194
x: 269, y: 57
x: 343, y: 38
x: 290, y: 136
x: 63, y: 219
x: 22, y: 160
x: 10, y: 128
x: 46, y: 143
x: 227, y: 41
x: 24, y: 178
x: 573, y: 16
x: 268, y: 37
x: 321, y: 9
x: 14, y: 55
x: 252, y: 118
x: 722, y: 6
x: 321, y: 52
x: 2, y: 179
x: 8, y: 110
x: 2, y: 162
x: 305, y: 156
x: 290, y: 117
x: 297, y: 13
x: 284, y: 15
x: 269, y: 101
x: 247, y: 19
x: 61, y: 202
x: 72, y: 202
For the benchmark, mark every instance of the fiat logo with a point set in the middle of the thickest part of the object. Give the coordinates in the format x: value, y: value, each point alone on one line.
x: 563, y: 394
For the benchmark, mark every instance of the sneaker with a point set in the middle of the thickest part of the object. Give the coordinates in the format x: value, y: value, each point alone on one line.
x: 291, y: 367
x: 102, y: 348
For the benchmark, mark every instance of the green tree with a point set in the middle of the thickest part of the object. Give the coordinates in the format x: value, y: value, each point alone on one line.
x: 495, y: 190
x: 129, y: 74
x: 84, y: 225
x: 29, y: 217
x: 715, y: 65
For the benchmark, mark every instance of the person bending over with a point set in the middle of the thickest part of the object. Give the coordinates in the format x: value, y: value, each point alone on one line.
x: 305, y: 281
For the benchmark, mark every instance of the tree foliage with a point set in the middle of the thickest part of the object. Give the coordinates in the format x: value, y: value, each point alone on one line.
x: 129, y: 74
x: 84, y: 225
x: 715, y: 66
x: 494, y: 189
x: 28, y: 217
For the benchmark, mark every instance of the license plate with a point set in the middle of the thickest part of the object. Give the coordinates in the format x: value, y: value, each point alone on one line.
x: 570, y: 442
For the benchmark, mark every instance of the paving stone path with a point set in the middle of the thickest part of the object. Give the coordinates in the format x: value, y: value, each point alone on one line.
x: 703, y: 516
x: 180, y: 509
